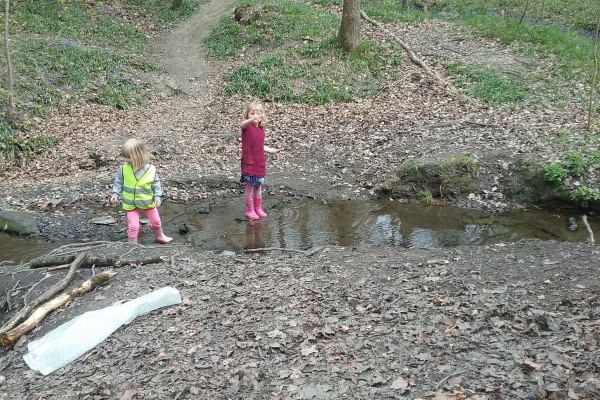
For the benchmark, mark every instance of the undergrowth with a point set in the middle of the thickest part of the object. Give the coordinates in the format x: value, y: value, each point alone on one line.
x: 82, y: 51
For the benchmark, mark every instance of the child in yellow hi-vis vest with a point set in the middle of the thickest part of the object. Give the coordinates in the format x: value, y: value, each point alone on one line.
x: 138, y: 184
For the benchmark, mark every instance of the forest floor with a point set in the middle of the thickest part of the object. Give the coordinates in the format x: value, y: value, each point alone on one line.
x: 512, y: 321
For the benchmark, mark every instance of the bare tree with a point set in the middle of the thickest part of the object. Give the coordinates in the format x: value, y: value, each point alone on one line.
x: 350, y: 28
x: 595, y: 75
x: 524, y: 12
x: 10, y: 112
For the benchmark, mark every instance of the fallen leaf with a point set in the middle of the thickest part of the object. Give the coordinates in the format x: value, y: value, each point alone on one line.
x: 399, y: 383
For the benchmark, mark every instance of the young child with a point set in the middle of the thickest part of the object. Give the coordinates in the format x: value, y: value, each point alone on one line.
x: 253, y: 158
x: 140, y: 187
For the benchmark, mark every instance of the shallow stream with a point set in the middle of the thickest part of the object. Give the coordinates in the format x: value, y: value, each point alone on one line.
x: 309, y: 224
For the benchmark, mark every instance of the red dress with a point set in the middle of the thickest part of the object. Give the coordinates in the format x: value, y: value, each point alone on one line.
x: 253, y: 151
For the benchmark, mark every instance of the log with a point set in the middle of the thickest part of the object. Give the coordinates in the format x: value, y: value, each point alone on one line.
x: 98, y: 262
x: 48, y: 294
x: 40, y: 313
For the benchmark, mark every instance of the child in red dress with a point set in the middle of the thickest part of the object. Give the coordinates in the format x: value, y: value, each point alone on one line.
x: 253, y: 158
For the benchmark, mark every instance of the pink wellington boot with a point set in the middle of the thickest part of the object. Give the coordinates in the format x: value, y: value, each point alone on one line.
x: 250, y: 213
x: 160, y: 237
x: 258, y: 207
x: 132, y: 239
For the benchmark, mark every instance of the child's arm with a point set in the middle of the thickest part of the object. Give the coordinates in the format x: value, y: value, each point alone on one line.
x: 246, y: 122
x: 272, y: 150
x: 117, y: 188
x: 157, y: 190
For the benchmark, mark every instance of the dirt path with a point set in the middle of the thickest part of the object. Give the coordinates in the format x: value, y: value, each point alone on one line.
x: 180, y: 51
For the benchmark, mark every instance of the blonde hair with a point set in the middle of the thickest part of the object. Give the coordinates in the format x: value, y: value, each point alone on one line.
x: 255, y: 105
x: 135, y: 151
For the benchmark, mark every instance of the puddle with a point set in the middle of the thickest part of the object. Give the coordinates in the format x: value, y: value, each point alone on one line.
x: 349, y: 223
x: 301, y: 226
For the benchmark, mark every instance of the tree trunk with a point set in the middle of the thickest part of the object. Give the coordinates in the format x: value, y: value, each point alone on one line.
x: 10, y: 112
x: 350, y: 28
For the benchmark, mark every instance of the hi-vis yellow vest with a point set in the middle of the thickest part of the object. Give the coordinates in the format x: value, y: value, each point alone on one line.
x: 137, y: 193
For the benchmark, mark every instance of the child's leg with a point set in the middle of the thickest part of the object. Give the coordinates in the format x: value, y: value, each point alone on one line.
x: 248, y: 201
x: 257, y: 201
x: 133, y: 225
x: 156, y: 225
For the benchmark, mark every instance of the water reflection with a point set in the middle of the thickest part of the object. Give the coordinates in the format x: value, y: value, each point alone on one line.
x: 348, y: 223
x: 305, y: 224
x: 254, y: 237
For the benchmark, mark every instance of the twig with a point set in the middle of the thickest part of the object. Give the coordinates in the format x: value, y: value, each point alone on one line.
x: 273, y: 249
x: 56, y: 268
x: 46, y: 295
x: 313, y: 251
x: 589, y: 229
x: 33, y: 287
x: 459, y: 372
x: 414, y: 57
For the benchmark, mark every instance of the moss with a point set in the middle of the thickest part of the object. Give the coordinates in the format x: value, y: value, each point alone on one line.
x: 439, y: 178
x: 100, y: 280
x: 527, y: 184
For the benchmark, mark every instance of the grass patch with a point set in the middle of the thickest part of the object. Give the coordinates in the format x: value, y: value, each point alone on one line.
x: 487, y: 85
x: 302, y: 62
x: 299, y: 75
x: 552, y: 28
x: 64, y: 52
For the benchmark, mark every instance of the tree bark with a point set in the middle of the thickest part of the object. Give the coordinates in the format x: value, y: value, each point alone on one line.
x: 97, y: 261
x: 10, y: 110
x: 349, y: 34
x: 39, y: 314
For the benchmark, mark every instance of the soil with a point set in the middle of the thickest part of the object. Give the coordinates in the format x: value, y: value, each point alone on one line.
x: 512, y: 321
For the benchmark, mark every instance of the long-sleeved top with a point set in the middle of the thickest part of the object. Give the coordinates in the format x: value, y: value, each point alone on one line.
x: 118, y: 184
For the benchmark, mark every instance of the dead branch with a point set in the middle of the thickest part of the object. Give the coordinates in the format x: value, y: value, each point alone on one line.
x: 39, y: 314
x: 414, y: 58
x: 48, y: 294
x: 273, y: 249
x: 589, y: 228
x: 99, y: 262
x: 111, y: 254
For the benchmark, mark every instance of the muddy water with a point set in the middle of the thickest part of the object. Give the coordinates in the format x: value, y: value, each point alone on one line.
x: 301, y: 226
x: 349, y: 223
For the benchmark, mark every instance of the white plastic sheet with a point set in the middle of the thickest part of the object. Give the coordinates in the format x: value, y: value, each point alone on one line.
x: 70, y: 340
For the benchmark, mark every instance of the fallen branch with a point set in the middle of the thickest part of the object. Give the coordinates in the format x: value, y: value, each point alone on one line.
x: 39, y: 314
x: 273, y: 249
x: 414, y: 58
x: 98, y: 262
x: 589, y: 228
x: 107, y: 254
x: 48, y: 294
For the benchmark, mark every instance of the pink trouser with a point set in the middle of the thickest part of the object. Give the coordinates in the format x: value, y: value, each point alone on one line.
x: 133, y: 221
x: 252, y: 192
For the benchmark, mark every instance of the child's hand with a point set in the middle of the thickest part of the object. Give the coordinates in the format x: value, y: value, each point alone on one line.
x: 157, y: 202
x: 113, y: 199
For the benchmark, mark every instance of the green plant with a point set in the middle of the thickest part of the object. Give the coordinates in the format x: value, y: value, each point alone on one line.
x: 594, y: 159
x: 426, y: 198
x: 555, y: 173
x: 585, y: 195
x: 574, y: 163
